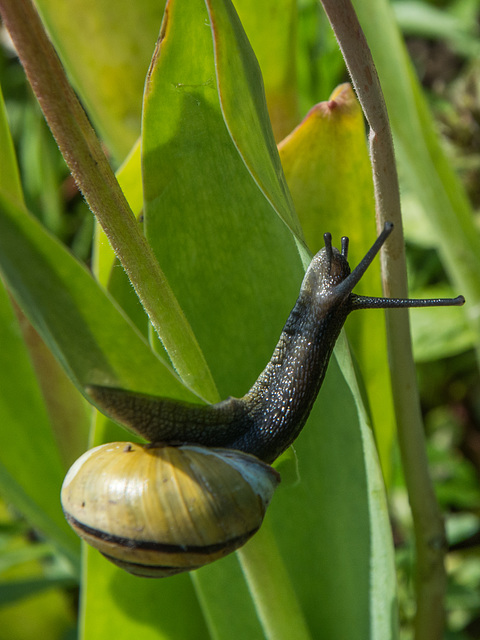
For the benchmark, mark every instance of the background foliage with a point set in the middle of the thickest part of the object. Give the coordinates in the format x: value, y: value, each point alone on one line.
x: 237, y: 301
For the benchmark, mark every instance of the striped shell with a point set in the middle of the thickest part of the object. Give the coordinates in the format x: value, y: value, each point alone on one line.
x: 157, y: 511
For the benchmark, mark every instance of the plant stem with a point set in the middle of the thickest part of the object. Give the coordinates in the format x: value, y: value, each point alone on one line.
x: 90, y: 168
x: 428, y: 524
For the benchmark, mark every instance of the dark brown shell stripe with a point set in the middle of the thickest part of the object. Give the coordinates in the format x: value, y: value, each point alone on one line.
x: 148, y: 570
x: 150, y: 545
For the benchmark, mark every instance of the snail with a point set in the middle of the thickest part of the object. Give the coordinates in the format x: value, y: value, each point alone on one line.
x: 139, y: 504
x: 157, y: 511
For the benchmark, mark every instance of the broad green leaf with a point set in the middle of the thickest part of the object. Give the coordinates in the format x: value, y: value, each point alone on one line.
x: 423, y: 165
x: 327, y: 524
x: 281, y: 616
x: 103, y: 613
x: 217, y: 597
x: 276, y: 56
x: 122, y: 606
x: 247, y: 119
x: 106, y: 46
x: 328, y: 171
x: 31, y: 470
x: 78, y: 321
x: 213, y: 232
x: 32, y: 458
x: 106, y: 266
x: 129, y: 177
x: 219, y: 218
x: 68, y: 411
x: 228, y: 256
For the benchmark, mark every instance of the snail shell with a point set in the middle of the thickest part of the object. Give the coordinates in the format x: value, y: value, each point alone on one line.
x: 157, y: 511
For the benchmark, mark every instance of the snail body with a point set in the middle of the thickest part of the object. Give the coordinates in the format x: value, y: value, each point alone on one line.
x: 157, y: 511
x: 269, y: 417
x: 149, y: 526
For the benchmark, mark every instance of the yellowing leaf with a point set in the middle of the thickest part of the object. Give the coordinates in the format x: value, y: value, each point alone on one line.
x: 326, y: 164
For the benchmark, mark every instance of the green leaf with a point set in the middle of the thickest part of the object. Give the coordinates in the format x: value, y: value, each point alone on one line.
x: 218, y: 599
x: 106, y: 266
x: 9, y: 176
x: 31, y: 464
x: 276, y: 56
x: 31, y: 471
x: 118, y: 605
x: 129, y: 177
x: 328, y: 171
x: 247, y: 120
x: 106, y: 47
x: 236, y: 274
x: 228, y: 256
x: 220, y: 220
x: 327, y: 525
x: 79, y: 322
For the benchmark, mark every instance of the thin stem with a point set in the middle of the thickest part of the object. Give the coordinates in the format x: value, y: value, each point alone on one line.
x: 89, y: 166
x: 428, y: 523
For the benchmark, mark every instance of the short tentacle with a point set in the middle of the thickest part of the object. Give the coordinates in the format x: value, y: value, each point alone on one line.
x: 327, y: 237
